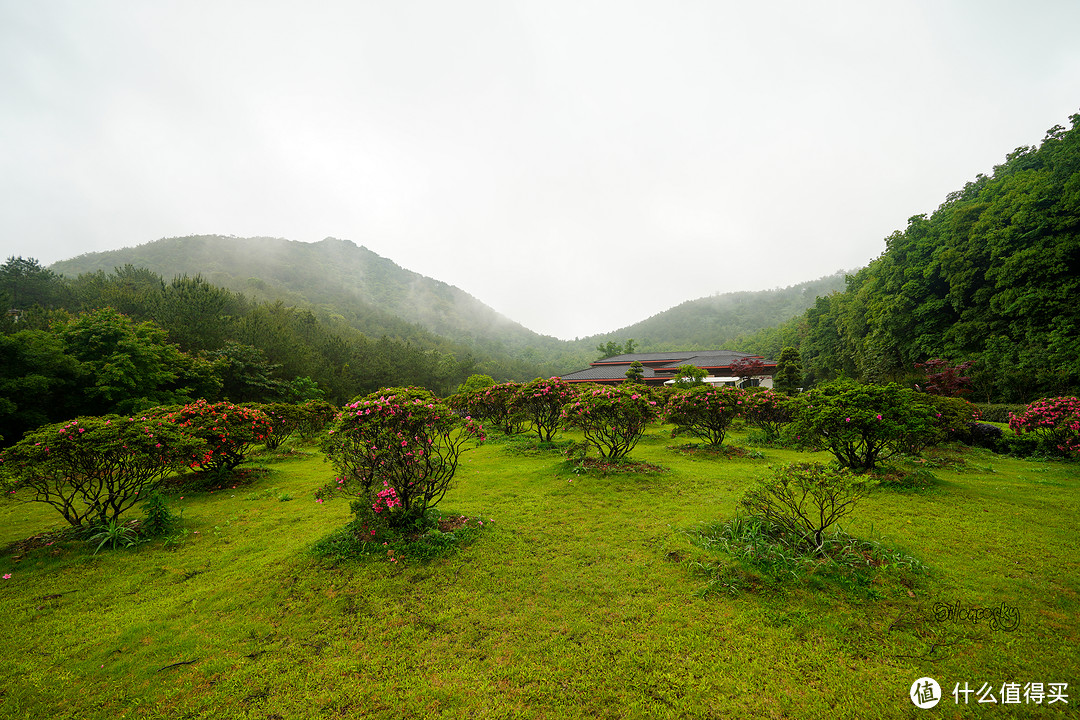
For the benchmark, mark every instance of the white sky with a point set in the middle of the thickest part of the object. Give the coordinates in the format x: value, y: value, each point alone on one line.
x: 578, y: 166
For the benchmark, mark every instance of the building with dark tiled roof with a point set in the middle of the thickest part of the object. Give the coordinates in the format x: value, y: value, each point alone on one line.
x: 659, y: 367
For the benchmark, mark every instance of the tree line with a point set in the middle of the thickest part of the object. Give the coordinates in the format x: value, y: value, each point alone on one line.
x: 990, y: 278
x: 126, y: 340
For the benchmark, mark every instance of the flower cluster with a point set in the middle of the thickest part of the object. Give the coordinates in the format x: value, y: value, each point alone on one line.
x: 386, y: 499
x: 613, y: 419
x: 1057, y: 419
x: 229, y: 431
x: 541, y: 402
x: 405, y: 440
x: 705, y: 412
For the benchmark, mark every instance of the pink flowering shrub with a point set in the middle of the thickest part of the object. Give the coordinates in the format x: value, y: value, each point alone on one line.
x: 288, y: 419
x: 92, y: 469
x: 494, y: 405
x: 704, y: 412
x: 612, y: 418
x: 769, y: 411
x: 541, y: 402
x: 862, y: 425
x: 399, y: 448
x: 1056, y: 420
x: 229, y: 431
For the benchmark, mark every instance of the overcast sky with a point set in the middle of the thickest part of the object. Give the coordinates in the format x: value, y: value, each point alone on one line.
x: 578, y: 166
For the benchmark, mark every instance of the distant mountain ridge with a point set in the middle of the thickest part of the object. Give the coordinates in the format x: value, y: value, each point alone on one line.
x: 379, y: 297
x: 320, y: 273
x: 722, y: 319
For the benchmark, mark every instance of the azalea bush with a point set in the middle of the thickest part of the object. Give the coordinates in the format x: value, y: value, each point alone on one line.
x: 805, y: 499
x: 613, y: 419
x: 769, y: 411
x: 952, y: 420
x: 1056, y: 421
x: 228, y: 430
x: 397, y: 450
x: 93, y: 469
x: 288, y: 419
x: 862, y: 425
x: 704, y: 412
x: 541, y: 403
x: 494, y: 405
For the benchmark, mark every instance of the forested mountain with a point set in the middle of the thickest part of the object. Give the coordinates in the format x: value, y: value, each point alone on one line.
x: 723, y: 319
x: 381, y: 297
x: 336, y: 278
x: 991, y: 277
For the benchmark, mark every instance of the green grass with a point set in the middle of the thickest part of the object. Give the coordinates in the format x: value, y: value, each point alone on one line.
x: 579, y: 598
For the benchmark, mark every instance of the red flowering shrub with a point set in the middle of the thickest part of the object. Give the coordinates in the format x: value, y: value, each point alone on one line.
x: 1056, y: 420
x: 399, y: 448
x: 229, y: 431
x: 612, y: 418
x: 92, y: 469
x: 704, y: 412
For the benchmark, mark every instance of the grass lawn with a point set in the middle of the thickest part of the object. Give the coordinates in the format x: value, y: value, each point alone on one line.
x: 580, y: 598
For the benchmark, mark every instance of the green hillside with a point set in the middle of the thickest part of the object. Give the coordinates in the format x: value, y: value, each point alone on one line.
x: 991, y: 277
x: 332, y: 273
x: 723, y: 319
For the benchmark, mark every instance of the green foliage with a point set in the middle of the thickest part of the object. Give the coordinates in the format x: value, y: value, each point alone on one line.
x: 397, y: 449
x: 435, y: 537
x: 636, y: 372
x: 475, y: 382
x: 805, y: 499
x: 228, y: 430
x: 704, y: 412
x: 862, y: 425
x: 289, y: 419
x: 614, y: 349
x: 113, y: 534
x: 246, y: 374
x: 613, y: 419
x: 952, y: 417
x: 998, y: 412
x: 158, y: 519
x: 687, y: 376
x: 39, y: 382
x: 127, y: 365
x: 93, y: 469
x: 789, y: 372
x: 989, y: 278
x: 769, y: 411
x: 541, y: 402
x: 495, y: 406
x: 25, y: 283
x: 770, y: 556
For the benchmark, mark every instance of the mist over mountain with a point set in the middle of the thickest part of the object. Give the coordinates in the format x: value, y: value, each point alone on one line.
x: 379, y: 297
x: 724, y: 319
x: 331, y: 272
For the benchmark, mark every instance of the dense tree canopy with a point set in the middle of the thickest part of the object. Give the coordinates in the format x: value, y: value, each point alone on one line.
x: 989, y: 278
